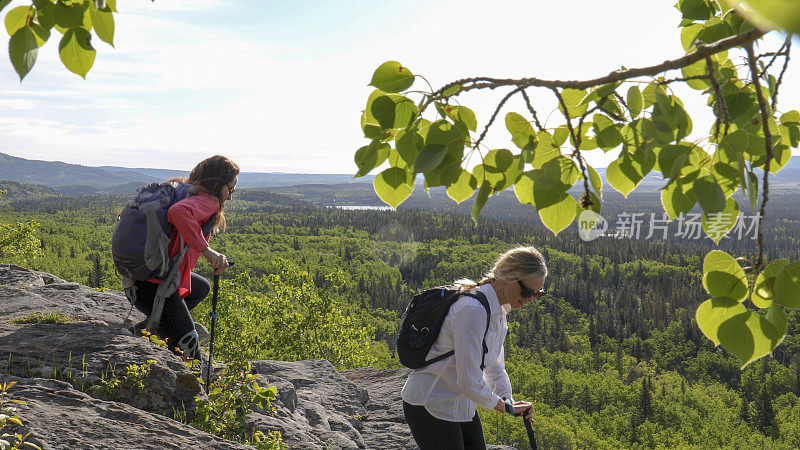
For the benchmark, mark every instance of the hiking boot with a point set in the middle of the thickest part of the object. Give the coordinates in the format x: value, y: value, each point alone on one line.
x: 202, y: 333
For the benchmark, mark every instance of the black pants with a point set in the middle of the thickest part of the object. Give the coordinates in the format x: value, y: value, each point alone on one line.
x: 431, y: 433
x: 176, y: 320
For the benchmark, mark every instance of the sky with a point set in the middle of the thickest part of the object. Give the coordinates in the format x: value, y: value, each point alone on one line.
x: 279, y: 86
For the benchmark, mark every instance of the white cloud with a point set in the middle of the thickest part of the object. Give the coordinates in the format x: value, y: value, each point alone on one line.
x: 17, y: 103
x: 174, y: 89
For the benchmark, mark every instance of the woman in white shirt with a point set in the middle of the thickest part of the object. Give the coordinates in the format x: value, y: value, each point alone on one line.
x: 439, y: 400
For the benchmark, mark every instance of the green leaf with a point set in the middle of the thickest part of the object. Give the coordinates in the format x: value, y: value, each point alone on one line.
x: 752, y: 189
x: 75, y: 15
x: 717, y: 225
x: 745, y: 334
x: 409, y: 143
x: 103, y: 22
x: 3, y: 4
x: 696, y: 9
x: 445, y: 174
x: 393, y: 186
x: 777, y: 317
x: 393, y: 111
x: 22, y: 49
x: 573, y: 98
x: 764, y: 291
x: 709, y: 195
x: 774, y: 14
x: 370, y: 157
x: 606, y: 132
x: 16, y: 19
x: 787, y: 286
x: 480, y: 201
x: 728, y: 162
x: 462, y: 114
x: 45, y: 13
x: 522, y: 133
x: 689, y: 34
x: 596, y: 180
x: 715, y: 311
x: 452, y: 90
x: 546, y: 150
x: 624, y: 174
x: 391, y: 76
x: 429, y: 157
x: 559, y: 214
x: 715, y: 29
x: 668, y: 155
x: 463, y: 188
x: 502, y: 168
x: 748, y: 336
x: 696, y: 69
x: 676, y: 201
x: 791, y: 117
x: 42, y: 34
x: 546, y: 187
x: 76, y: 51
x: 445, y: 133
x: 723, y: 277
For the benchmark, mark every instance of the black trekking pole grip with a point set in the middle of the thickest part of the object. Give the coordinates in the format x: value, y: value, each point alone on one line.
x: 213, y: 315
x: 529, y: 429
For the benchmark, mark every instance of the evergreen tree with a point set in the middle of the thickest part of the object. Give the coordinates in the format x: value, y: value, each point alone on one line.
x: 744, y: 409
x: 644, y: 408
x: 764, y: 413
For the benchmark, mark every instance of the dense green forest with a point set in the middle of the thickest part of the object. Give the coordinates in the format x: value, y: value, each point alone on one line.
x: 610, y: 356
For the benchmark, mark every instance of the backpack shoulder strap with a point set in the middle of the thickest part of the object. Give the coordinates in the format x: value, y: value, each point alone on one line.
x: 481, y: 297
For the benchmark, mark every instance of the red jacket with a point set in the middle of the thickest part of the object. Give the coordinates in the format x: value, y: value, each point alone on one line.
x: 188, y: 217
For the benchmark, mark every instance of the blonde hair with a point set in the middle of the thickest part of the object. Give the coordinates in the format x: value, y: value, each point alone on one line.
x: 515, y: 264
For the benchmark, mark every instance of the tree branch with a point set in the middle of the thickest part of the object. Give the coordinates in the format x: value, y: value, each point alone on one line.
x: 533, y: 111
x: 765, y: 115
x: 586, y: 198
x: 494, y: 116
x: 788, y: 45
x: 467, y: 84
x: 722, y: 105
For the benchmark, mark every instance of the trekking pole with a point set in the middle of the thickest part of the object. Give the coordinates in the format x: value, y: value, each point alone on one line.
x: 213, y: 314
x: 529, y: 429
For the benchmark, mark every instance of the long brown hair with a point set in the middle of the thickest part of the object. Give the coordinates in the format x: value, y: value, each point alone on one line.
x: 210, y: 175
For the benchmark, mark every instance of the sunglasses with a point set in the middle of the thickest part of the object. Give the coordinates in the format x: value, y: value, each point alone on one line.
x: 230, y: 189
x: 528, y: 292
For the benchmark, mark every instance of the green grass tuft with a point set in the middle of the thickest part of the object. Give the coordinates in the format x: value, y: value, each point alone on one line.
x: 51, y: 317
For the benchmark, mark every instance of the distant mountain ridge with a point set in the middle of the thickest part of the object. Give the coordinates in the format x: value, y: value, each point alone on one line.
x: 76, y: 178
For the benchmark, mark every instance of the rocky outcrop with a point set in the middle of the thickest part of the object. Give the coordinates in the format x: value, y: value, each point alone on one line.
x: 83, y: 352
x: 57, y: 416
x: 317, y: 407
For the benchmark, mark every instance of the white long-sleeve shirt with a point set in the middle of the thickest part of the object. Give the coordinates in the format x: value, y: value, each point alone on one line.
x: 450, y: 389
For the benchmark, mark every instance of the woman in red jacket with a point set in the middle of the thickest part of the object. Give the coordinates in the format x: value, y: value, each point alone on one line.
x: 213, y: 181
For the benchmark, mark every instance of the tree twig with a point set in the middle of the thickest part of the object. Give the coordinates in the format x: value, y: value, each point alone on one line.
x: 586, y: 198
x: 494, y: 116
x: 788, y: 45
x: 721, y: 104
x: 765, y: 115
x: 533, y: 111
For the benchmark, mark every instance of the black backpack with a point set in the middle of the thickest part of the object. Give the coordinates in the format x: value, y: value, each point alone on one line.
x: 422, y: 322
